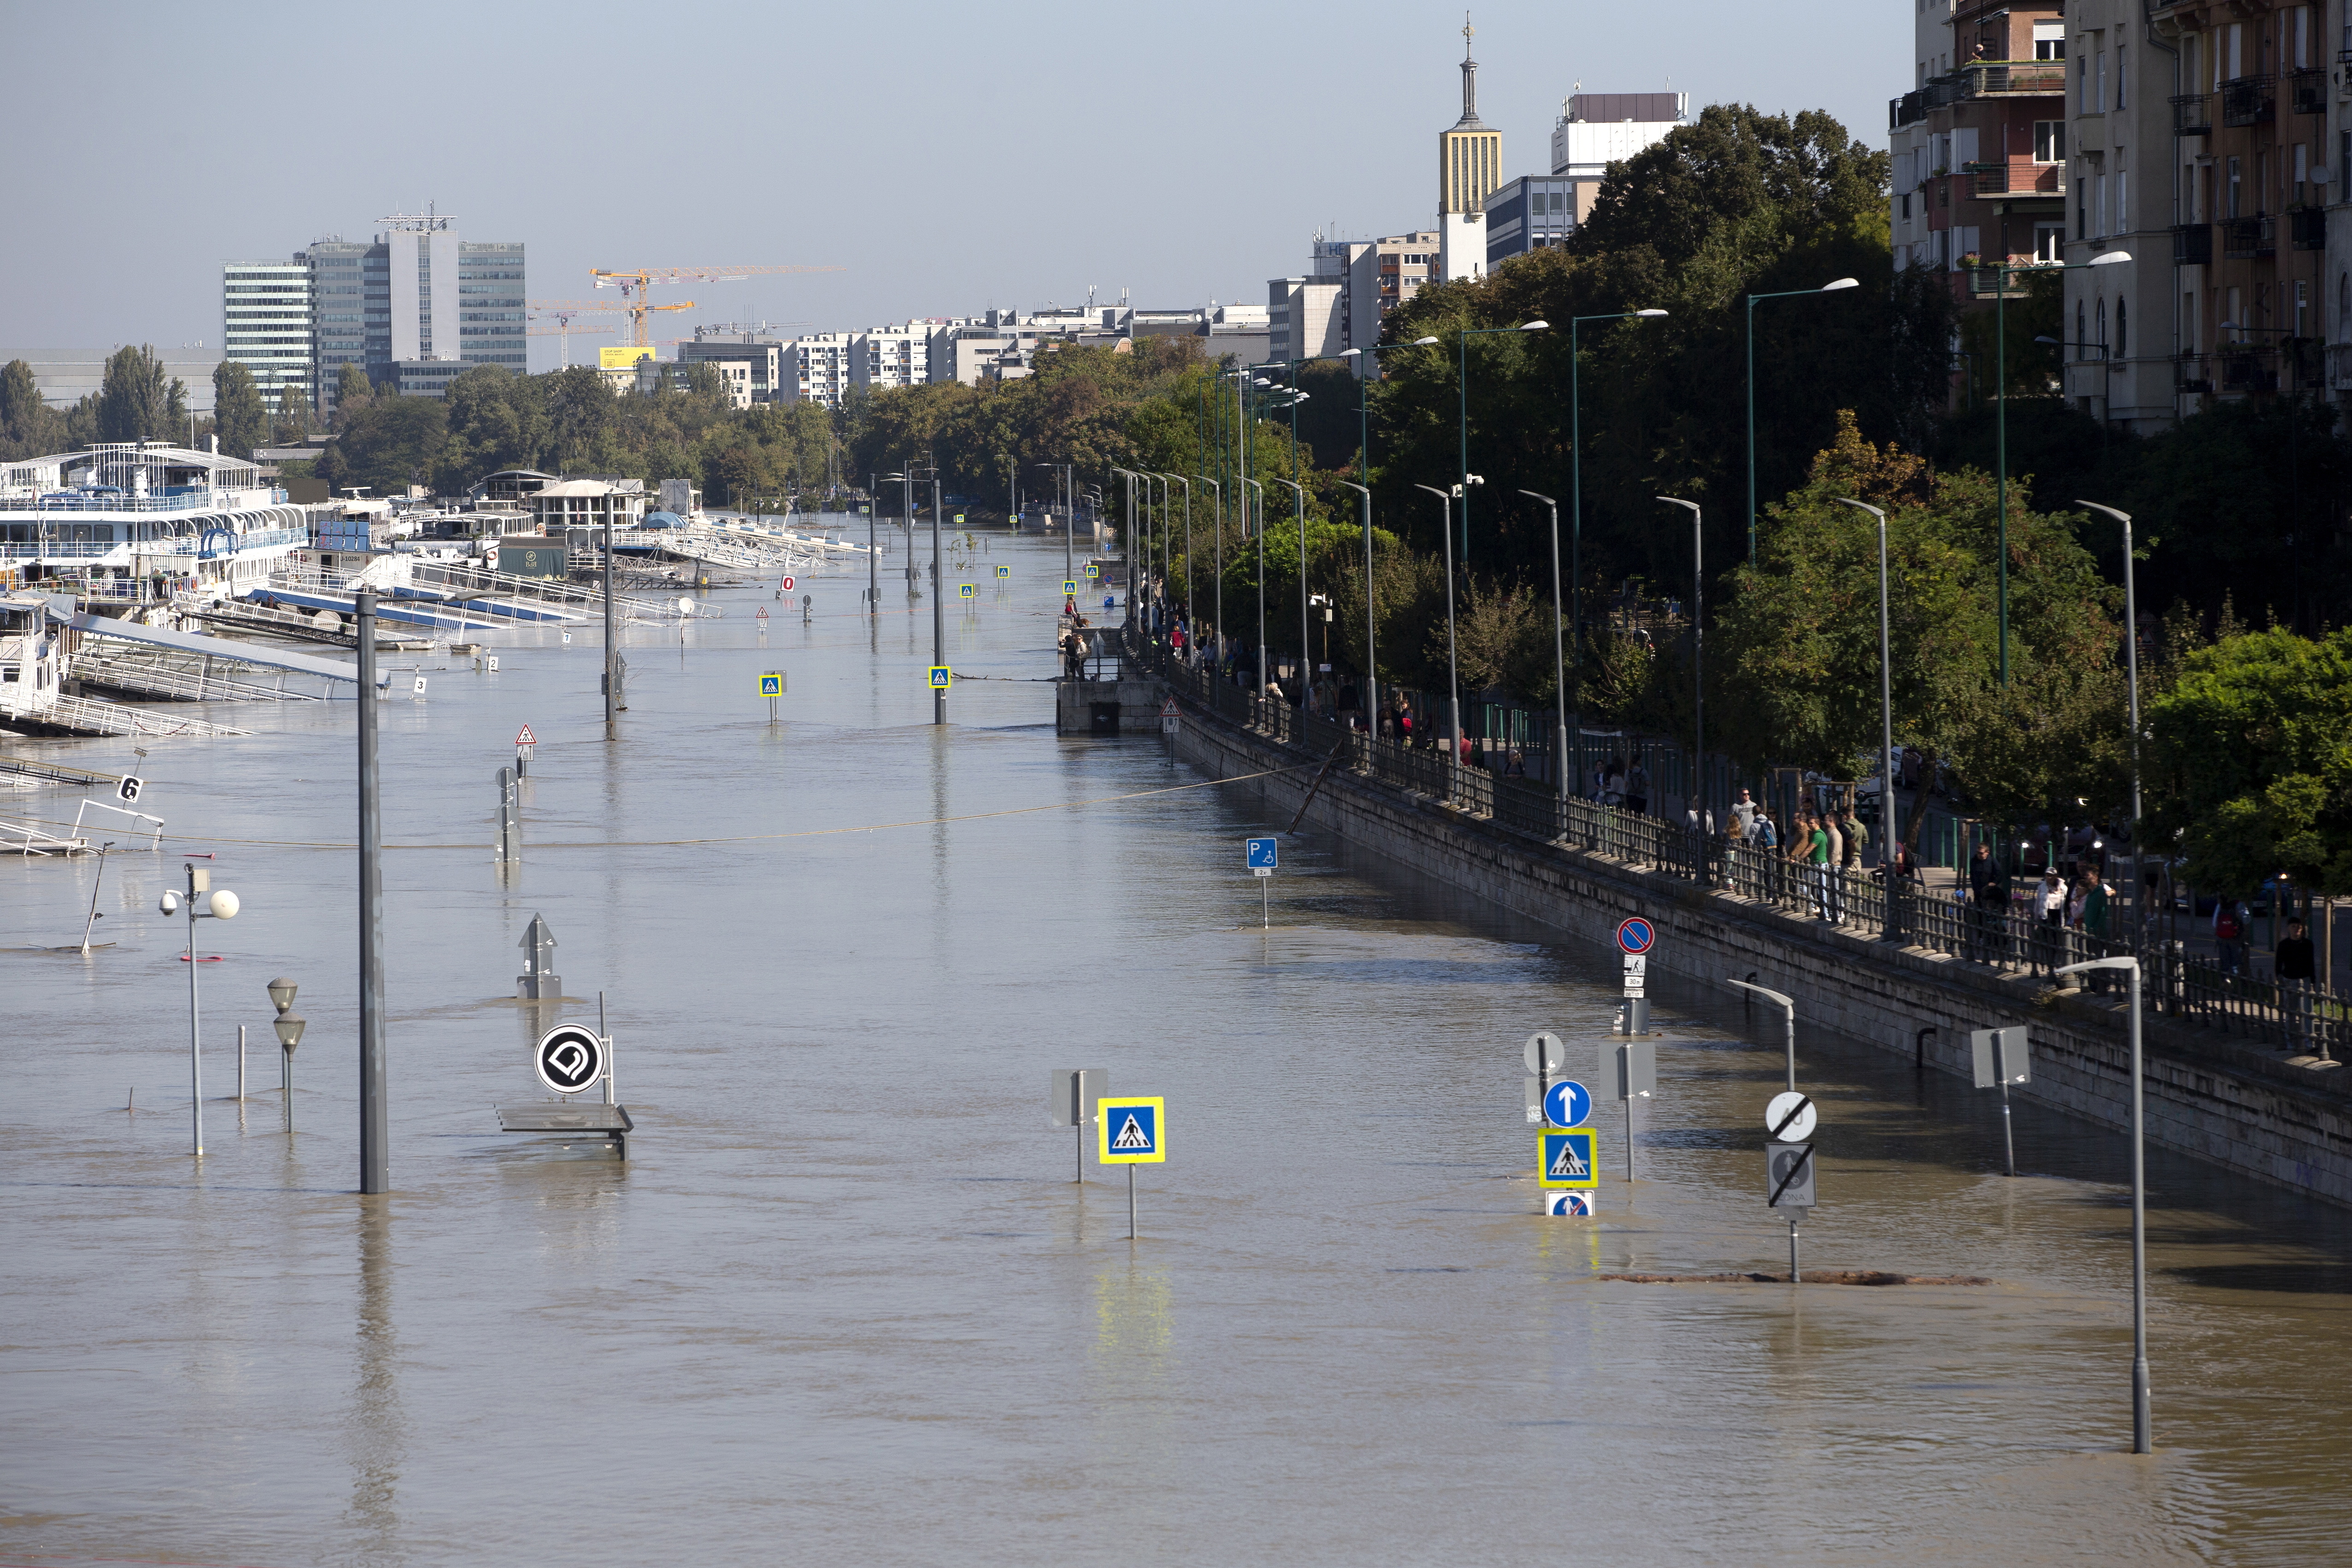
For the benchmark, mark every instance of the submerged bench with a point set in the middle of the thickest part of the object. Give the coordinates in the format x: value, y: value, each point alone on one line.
x: 612, y: 1121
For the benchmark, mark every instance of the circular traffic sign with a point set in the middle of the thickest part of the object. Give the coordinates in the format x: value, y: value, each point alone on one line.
x: 569, y: 1059
x: 1634, y: 934
x: 1546, y: 1052
x: 1567, y: 1103
x: 1791, y: 1117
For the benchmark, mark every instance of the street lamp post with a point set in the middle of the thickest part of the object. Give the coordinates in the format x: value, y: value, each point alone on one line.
x: 1559, y: 652
x: 1217, y: 614
x: 376, y: 1090
x: 1371, y: 664
x: 1576, y: 513
x: 1452, y: 668
x: 938, y: 607
x: 2001, y: 413
x: 289, y: 1029
x: 200, y: 903
x: 1894, y: 927
x: 1829, y: 288
x: 2143, y: 1435
x: 1134, y: 543
x: 1699, y: 670
x: 1298, y: 498
x: 1260, y: 488
x: 1461, y: 391
x: 2131, y: 672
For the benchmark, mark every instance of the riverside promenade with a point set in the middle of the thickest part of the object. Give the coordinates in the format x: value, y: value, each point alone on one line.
x: 2233, y: 1076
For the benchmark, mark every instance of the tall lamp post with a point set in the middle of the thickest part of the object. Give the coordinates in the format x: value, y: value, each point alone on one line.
x: 938, y: 607
x: 2131, y: 670
x: 2143, y: 1435
x: 1576, y: 511
x: 1165, y: 549
x: 376, y: 1090
x: 1558, y: 651
x: 1255, y: 485
x: 1834, y: 286
x: 1699, y: 670
x: 2000, y: 411
x: 201, y: 903
x: 1886, y: 726
x: 1217, y: 615
x: 289, y: 1029
x: 1134, y: 539
x: 1298, y: 498
x: 1372, y: 663
x: 1453, y: 669
x: 1462, y: 390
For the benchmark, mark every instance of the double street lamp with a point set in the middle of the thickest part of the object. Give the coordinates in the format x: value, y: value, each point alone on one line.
x: 1462, y: 387
x: 201, y: 903
x: 289, y: 1027
x: 1834, y: 286
x: 1446, y: 499
x: 1885, y: 727
x: 1697, y: 790
x: 2000, y: 407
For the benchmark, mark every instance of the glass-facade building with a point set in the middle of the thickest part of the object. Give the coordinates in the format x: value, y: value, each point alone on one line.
x: 266, y: 325
x: 412, y: 300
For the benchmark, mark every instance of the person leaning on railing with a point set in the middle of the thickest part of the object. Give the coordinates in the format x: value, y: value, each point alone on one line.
x: 2294, y: 962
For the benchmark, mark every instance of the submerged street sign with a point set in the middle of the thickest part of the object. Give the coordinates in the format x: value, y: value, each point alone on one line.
x: 569, y: 1059
x: 1788, y: 1176
x: 1004, y: 571
x: 1262, y: 856
x: 1791, y: 1117
x: 1568, y: 1103
x: 1634, y: 934
x: 1134, y: 1130
x: 1572, y: 1205
x: 772, y: 684
x: 940, y: 677
x: 1566, y: 1159
x: 1546, y: 1052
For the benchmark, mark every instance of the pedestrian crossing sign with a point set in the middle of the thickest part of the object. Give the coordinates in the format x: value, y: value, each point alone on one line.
x: 1134, y: 1132
x: 1566, y: 1159
x: 940, y: 677
x: 1069, y: 586
x: 771, y: 684
x: 1093, y: 569
x: 967, y: 591
x: 1004, y: 571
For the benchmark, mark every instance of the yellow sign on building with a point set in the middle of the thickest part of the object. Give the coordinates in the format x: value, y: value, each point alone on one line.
x: 608, y: 358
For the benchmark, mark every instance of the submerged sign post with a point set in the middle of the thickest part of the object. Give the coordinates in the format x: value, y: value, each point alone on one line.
x: 2001, y: 1058
x: 1072, y: 1098
x: 1789, y: 1162
x: 1134, y: 1132
x: 1635, y: 937
x: 1262, y: 856
x: 771, y: 686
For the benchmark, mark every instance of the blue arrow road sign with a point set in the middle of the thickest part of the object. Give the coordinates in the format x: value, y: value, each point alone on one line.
x: 1567, y: 1103
x: 1261, y: 854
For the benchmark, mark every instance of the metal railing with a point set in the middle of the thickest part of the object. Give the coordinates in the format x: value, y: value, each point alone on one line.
x: 2249, y: 100
x: 2192, y: 245
x: 1853, y: 898
x: 2307, y: 90
x: 2192, y: 114
x: 2249, y: 239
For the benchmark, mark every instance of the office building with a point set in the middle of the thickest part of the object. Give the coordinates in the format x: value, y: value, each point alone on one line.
x: 1469, y: 167
x: 417, y: 296
x: 1598, y: 128
x: 757, y: 366
x: 1534, y: 212
x: 266, y: 325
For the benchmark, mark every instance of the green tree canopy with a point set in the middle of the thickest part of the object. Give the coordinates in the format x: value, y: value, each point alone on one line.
x: 2249, y: 763
x: 239, y: 417
x: 138, y: 402
x: 29, y: 426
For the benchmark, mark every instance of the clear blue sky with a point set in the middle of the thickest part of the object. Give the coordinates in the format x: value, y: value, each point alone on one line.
x: 948, y: 156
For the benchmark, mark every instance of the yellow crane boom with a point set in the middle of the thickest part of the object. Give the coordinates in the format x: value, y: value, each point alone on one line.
x: 635, y: 284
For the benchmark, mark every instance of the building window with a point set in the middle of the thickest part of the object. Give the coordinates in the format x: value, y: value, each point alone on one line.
x: 2049, y: 141
x: 2082, y: 331
x: 2233, y: 172
x: 2049, y: 241
x: 2081, y: 209
x: 2122, y: 347
x: 2123, y: 77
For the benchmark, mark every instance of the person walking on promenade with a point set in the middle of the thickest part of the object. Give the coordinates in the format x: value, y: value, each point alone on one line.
x: 1637, y: 789
x: 2087, y: 913
x: 1764, y: 838
x: 1817, y: 859
x: 2231, y: 919
x: 1988, y: 905
x: 1744, y: 808
x: 2050, y: 915
x: 2295, y: 966
x: 1833, y: 869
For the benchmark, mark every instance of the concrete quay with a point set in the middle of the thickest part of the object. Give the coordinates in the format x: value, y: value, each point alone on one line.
x: 2210, y: 1095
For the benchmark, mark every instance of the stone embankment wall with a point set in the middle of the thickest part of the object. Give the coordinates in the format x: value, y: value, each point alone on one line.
x: 2209, y: 1095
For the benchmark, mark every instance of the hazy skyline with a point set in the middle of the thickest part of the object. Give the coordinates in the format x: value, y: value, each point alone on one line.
x: 948, y: 158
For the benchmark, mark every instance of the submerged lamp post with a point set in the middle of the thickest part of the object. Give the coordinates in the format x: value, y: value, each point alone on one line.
x: 200, y: 903
x: 2143, y: 1435
x: 289, y: 1029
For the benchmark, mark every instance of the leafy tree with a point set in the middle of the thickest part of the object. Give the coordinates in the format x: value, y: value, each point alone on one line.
x: 239, y: 417
x: 1794, y: 666
x: 391, y: 443
x: 353, y: 391
x: 290, y: 421
x: 2250, y: 761
x: 29, y: 427
x: 138, y: 402
x: 580, y: 412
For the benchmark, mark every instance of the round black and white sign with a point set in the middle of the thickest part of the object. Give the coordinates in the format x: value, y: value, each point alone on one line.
x: 569, y: 1059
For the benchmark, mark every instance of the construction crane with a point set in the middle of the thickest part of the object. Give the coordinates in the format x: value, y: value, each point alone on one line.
x: 562, y: 311
x: 635, y: 285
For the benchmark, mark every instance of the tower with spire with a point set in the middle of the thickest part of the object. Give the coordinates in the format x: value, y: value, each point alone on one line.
x: 1469, y: 167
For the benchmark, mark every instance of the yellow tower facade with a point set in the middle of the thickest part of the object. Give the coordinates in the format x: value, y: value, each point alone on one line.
x: 1469, y: 167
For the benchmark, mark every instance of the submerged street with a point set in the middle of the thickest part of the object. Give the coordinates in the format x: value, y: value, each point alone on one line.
x: 845, y: 1276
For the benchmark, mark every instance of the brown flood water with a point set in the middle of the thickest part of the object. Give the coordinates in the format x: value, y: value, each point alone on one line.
x: 845, y: 1304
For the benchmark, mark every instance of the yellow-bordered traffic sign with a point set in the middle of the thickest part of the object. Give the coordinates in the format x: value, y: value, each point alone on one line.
x: 772, y: 684
x: 1004, y: 571
x: 967, y: 591
x: 1566, y: 1158
x: 1094, y: 569
x: 940, y: 678
x: 1134, y: 1130
x: 1070, y: 585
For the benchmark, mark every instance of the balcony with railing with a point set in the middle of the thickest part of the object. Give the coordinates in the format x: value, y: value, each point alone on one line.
x: 2019, y: 176
x: 2192, y: 245
x: 2248, y: 367
x: 2249, y: 239
x: 1986, y: 281
x: 2307, y: 90
x: 2249, y: 100
x: 2010, y: 79
x: 2307, y: 229
x: 2192, y: 114
x: 2191, y: 373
